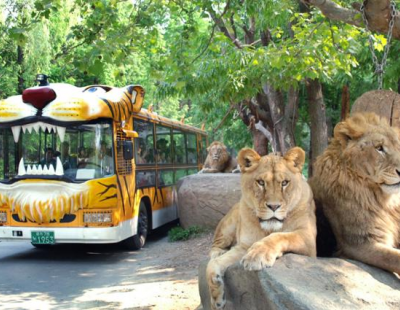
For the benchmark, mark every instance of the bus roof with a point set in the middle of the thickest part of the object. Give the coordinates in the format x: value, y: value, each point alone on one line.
x: 146, y: 114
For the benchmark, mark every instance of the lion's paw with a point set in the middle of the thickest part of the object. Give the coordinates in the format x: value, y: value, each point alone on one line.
x: 258, y: 257
x: 217, y: 293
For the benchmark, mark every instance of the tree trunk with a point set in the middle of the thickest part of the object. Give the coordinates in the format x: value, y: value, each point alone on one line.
x: 260, y: 142
x: 345, y: 111
x: 316, y: 111
x: 20, y: 60
x: 283, y: 117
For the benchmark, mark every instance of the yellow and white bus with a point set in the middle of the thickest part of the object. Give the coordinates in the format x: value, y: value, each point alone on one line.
x: 89, y: 165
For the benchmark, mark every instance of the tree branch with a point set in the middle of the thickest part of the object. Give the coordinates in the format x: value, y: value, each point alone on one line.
x: 221, y: 25
x: 377, y: 12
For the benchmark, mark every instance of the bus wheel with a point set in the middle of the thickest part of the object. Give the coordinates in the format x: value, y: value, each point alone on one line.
x: 137, y: 241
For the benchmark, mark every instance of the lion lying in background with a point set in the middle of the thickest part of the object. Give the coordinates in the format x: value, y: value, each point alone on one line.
x: 218, y: 159
x: 357, y: 181
x: 275, y: 215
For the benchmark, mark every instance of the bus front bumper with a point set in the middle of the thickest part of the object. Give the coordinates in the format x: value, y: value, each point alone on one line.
x: 74, y: 234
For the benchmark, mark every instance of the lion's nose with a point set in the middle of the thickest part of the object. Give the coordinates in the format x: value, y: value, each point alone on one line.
x: 273, y: 207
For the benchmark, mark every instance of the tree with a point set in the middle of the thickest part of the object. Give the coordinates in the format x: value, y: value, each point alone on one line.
x: 254, y: 56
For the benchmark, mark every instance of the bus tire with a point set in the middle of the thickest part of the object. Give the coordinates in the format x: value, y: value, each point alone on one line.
x: 137, y: 241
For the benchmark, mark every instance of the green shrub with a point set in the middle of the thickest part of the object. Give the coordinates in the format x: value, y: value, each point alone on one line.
x: 180, y: 234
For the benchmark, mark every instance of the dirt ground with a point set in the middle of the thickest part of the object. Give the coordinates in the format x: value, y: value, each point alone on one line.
x: 173, y: 272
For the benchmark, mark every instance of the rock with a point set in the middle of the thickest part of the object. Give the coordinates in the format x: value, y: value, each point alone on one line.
x: 385, y: 103
x: 299, y: 282
x: 203, y: 199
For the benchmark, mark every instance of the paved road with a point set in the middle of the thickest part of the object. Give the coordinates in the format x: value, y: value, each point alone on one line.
x: 94, y: 277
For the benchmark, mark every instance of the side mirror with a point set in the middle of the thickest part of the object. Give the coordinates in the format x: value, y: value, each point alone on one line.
x: 127, y: 148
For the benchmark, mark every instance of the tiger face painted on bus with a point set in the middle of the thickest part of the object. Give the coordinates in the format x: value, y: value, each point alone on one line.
x: 42, y: 186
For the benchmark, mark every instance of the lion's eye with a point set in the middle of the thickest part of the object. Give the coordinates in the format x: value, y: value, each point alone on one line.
x: 285, y: 183
x: 260, y: 182
x: 380, y: 149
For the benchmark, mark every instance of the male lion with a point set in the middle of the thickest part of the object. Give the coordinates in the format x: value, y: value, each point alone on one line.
x: 275, y: 215
x: 357, y: 182
x: 218, y: 159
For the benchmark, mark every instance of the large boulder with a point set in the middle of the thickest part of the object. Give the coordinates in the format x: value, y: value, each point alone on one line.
x: 203, y: 199
x: 299, y: 282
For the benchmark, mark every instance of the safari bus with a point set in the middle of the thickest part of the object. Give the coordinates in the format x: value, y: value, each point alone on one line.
x: 90, y: 165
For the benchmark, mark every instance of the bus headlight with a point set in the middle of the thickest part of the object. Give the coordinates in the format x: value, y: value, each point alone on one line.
x: 97, y: 217
x: 3, y: 217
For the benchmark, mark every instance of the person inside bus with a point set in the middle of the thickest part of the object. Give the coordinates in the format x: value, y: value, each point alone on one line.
x: 67, y: 160
x: 162, y: 153
x: 141, y: 154
x: 102, y: 160
x: 49, y: 158
x: 82, y: 157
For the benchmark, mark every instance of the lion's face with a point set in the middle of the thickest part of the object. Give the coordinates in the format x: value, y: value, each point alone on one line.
x: 271, y: 185
x: 371, y: 149
x: 216, y: 151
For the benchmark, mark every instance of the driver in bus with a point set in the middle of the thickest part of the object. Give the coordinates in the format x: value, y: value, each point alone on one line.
x: 103, y: 160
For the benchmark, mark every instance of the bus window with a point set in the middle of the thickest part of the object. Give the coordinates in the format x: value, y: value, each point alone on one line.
x: 165, y: 178
x: 8, y: 154
x: 192, y: 148
x: 179, y: 147
x: 144, y: 144
x: 163, y: 145
x: 145, y: 179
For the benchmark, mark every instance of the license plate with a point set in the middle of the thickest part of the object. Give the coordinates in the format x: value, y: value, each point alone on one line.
x: 42, y: 237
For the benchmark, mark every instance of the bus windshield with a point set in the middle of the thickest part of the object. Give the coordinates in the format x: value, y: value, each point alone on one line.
x: 40, y: 150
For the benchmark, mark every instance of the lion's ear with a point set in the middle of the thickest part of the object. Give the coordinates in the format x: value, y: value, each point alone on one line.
x: 248, y: 159
x: 344, y: 132
x: 296, y: 156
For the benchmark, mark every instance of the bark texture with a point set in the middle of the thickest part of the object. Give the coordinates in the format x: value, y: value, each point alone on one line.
x: 319, y: 130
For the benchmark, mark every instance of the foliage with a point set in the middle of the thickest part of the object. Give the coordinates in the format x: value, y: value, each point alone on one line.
x: 180, y: 234
x: 188, y: 66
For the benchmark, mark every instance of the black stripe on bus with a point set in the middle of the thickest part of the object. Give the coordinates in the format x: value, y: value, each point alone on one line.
x: 109, y: 197
x: 127, y: 189
x: 129, y: 100
x: 122, y: 196
x: 123, y: 108
x: 109, y: 106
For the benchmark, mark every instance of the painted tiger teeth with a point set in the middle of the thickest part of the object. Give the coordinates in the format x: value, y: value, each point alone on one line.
x: 39, y: 169
x: 16, y: 130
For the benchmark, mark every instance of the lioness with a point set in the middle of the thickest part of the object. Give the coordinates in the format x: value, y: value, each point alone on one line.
x: 218, y: 159
x: 357, y: 182
x: 275, y: 215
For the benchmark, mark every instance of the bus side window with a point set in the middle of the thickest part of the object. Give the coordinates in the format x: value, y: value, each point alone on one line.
x: 179, y: 147
x: 163, y: 145
x: 144, y: 144
x: 192, y: 148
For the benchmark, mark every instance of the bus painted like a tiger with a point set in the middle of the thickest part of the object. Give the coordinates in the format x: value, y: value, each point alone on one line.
x: 90, y: 165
